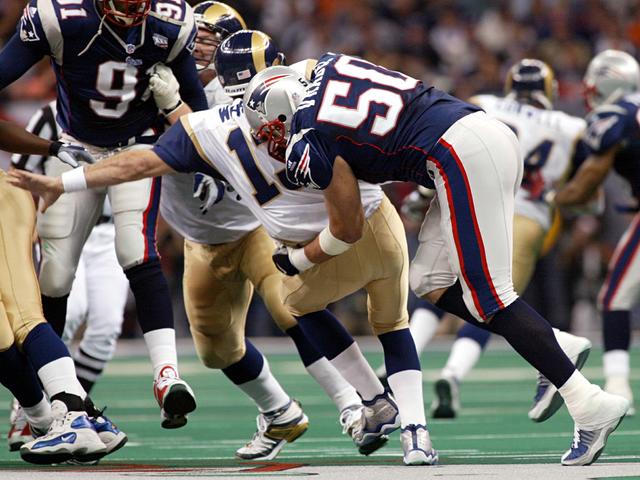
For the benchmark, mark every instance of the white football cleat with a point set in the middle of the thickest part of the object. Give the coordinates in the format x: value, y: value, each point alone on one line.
x: 620, y: 386
x: 70, y: 437
x: 353, y: 421
x: 275, y: 429
x: 175, y: 397
x: 590, y: 439
x: 547, y: 399
x: 19, y: 432
x: 417, y: 447
x: 381, y: 417
x: 446, y: 402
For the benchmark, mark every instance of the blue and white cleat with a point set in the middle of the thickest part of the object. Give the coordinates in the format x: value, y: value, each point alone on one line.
x: 417, y: 446
x: 381, y: 417
x: 547, y: 399
x: 71, y: 436
x: 589, y: 442
x: 353, y: 421
x: 112, y: 437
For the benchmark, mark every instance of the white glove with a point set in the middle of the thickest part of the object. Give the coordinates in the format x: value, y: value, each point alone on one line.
x: 208, y: 189
x: 165, y: 89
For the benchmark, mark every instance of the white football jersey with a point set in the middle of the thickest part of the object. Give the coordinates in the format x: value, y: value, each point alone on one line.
x: 548, y: 139
x: 223, y: 138
x: 225, y: 222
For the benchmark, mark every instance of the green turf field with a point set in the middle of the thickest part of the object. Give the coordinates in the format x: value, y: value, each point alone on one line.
x: 492, y: 428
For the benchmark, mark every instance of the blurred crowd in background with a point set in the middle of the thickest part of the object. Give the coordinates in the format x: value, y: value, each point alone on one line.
x: 461, y: 46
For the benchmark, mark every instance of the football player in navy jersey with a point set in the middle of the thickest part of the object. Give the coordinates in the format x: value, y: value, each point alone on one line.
x: 612, y: 85
x: 359, y: 121
x: 102, y: 52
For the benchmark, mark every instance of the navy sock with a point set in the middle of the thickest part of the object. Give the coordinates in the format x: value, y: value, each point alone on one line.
x: 307, y: 351
x: 326, y: 332
x: 399, y: 351
x: 17, y: 375
x: 247, y: 368
x: 153, y: 300
x: 43, y: 346
x: 451, y: 301
x: 55, y: 311
x: 73, y: 402
x: 476, y: 334
x: 616, y: 329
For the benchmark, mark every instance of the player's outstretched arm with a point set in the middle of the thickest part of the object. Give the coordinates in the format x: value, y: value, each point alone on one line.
x: 584, y: 185
x: 16, y: 139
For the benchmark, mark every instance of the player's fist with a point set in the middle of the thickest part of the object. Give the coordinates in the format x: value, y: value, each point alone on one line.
x: 208, y: 189
x: 165, y: 88
x: 70, y: 154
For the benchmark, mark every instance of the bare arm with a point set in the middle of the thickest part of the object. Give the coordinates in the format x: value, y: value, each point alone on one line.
x: 344, y: 207
x: 16, y: 139
x: 583, y: 186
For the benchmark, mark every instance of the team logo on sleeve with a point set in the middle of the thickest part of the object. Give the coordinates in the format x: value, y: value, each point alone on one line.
x: 598, y: 127
x: 28, y: 32
x: 299, y: 168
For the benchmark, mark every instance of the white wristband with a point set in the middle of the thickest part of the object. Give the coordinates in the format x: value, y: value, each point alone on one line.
x: 299, y: 259
x: 550, y: 197
x: 74, y: 180
x: 332, y: 245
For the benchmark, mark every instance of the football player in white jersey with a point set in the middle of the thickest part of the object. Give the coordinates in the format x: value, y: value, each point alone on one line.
x: 550, y: 143
x: 102, y: 309
x: 227, y: 255
x: 220, y: 142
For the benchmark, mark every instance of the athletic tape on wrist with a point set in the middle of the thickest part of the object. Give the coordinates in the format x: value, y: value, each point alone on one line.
x: 299, y: 259
x: 332, y: 245
x: 74, y: 180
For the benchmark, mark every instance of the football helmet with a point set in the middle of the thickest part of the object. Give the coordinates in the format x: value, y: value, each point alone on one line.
x: 241, y: 56
x: 270, y: 100
x: 215, y: 21
x: 610, y: 75
x: 126, y: 13
x: 531, y: 81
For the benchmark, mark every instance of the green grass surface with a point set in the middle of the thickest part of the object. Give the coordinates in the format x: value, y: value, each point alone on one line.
x: 493, y: 426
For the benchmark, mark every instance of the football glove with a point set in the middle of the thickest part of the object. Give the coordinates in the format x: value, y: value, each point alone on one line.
x: 70, y: 154
x: 208, y: 189
x: 165, y: 89
x: 415, y: 204
x: 283, y: 262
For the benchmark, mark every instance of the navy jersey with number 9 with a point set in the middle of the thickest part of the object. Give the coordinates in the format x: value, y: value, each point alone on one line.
x: 382, y: 122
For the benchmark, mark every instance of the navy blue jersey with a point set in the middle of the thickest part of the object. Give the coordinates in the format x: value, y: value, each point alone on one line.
x: 382, y: 122
x: 618, y: 125
x: 103, y: 78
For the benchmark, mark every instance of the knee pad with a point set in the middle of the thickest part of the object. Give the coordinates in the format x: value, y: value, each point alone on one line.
x: 219, y: 351
x: 55, y: 277
x: 273, y: 300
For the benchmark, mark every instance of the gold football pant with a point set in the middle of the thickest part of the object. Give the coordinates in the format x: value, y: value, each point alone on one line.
x: 20, y: 307
x: 378, y: 262
x: 218, y: 284
x: 528, y: 239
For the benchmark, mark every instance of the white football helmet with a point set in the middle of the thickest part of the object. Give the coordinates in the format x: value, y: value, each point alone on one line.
x: 610, y: 75
x: 270, y: 100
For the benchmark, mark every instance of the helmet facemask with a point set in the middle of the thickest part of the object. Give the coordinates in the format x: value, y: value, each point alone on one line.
x: 275, y: 134
x: 207, y: 42
x: 126, y: 13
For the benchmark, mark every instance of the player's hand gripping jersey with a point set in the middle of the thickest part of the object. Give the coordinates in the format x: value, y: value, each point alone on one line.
x: 101, y: 69
x: 381, y: 121
x: 219, y: 142
x: 549, y: 140
x: 614, y: 125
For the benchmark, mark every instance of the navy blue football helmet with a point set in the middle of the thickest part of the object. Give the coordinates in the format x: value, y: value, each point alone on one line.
x: 243, y: 54
x: 532, y: 81
x: 215, y: 21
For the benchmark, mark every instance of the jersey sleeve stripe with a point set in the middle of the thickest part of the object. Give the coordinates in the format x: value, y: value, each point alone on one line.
x: 51, y: 28
x: 185, y: 36
x: 195, y: 141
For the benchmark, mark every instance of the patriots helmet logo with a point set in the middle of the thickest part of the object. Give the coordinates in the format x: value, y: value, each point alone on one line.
x: 257, y: 100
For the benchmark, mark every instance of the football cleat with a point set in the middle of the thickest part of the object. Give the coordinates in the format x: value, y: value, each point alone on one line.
x: 175, y: 397
x: 70, y: 437
x: 589, y: 441
x: 275, y: 429
x: 19, y: 432
x: 446, y: 402
x: 620, y: 386
x: 416, y: 446
x: 353, y: 421
x: 547, y: 399
x: 112, y: 437
x: 381, y: 417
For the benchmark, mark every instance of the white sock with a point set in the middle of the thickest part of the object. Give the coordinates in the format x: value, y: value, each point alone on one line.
x: 423, y: 326
x: 616, y: 363
x: 161, y: 344
x: 464, y: 355
x: 406, y: 387
x: 60, y: 376
x: 339, y: 390
x: 265, y: 390
x: 39, y: 415
x: 578, y: 394
x: 357, y: 371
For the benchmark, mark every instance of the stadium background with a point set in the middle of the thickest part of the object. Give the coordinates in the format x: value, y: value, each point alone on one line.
x: 463, y: 46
